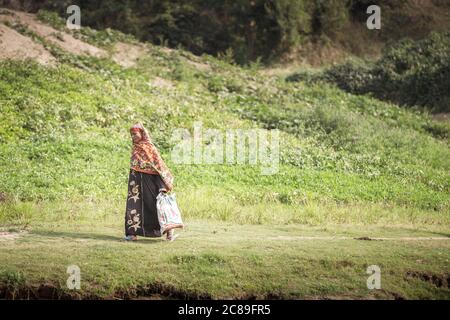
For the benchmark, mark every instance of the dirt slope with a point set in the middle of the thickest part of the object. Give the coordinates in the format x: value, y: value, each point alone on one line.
x: 15, y: 45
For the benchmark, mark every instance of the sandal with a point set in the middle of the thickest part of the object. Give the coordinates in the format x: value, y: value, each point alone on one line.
x: 172, y: 237
x: 130, y: 238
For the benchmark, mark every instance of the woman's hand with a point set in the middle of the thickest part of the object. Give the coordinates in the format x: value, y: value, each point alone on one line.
x: 168, y: 187
x: 163, y: 190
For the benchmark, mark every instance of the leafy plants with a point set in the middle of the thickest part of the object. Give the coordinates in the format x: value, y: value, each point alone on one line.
x: 409, y: 73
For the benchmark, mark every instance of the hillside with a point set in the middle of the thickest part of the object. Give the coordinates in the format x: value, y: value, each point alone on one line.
x: 350, y: 167
x: 300, y: 31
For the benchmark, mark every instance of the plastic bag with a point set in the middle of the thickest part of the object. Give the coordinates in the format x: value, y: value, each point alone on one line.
x: 169, y: 215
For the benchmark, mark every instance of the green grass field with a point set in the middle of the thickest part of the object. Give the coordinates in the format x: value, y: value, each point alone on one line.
x: 226, y: 260
x: 350, y: 167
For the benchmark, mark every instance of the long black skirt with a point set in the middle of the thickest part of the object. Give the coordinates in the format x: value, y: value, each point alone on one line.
x: 141, y: 217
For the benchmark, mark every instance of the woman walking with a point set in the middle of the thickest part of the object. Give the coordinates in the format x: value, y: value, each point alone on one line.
x: 148, y: 177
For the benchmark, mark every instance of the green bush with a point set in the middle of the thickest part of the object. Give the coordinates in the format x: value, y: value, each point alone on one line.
x: 409, y: 73
x: 350, y: 77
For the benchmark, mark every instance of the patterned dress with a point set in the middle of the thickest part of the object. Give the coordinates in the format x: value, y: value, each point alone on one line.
x: 148, y: 174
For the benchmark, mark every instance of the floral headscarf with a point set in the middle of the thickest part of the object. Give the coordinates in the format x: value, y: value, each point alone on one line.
x: 146, y: 158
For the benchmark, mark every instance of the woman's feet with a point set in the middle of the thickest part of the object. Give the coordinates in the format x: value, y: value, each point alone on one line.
x: 130, y: 238
x: 170, y: 235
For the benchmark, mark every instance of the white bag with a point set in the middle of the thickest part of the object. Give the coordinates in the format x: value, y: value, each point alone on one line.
x: 169, y: 215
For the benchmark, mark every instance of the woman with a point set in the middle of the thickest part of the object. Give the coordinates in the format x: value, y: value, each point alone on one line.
x: 149, y: 175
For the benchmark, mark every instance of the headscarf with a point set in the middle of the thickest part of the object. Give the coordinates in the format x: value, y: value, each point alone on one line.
x: 145, y: 157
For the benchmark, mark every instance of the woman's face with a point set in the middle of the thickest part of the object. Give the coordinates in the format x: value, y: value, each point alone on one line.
x: 136, y: 136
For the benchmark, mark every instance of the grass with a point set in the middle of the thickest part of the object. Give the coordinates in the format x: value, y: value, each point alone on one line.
x: 228, y: 260
x: 51, y: 120
x: 202, y: 204
x: 349, y: 166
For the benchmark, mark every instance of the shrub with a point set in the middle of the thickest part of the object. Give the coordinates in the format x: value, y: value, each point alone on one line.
x: 349, y: 77
x: 409, y: 73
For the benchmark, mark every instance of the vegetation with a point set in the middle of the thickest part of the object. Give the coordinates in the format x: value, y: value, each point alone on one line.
x: 350, y: 166
x: 258, y: 29
x: 409, y: 73
x: 330, y: 147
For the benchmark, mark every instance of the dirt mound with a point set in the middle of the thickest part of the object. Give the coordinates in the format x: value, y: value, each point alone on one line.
x: 3, y: 195
x: 158, y: 82
x: 15, y: 46
x: 62, y: 39
x: 126, y: 54
x: 200, y: 66
x: 443, y: 117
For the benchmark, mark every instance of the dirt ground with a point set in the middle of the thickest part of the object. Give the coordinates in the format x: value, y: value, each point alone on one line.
x: 14, y: 45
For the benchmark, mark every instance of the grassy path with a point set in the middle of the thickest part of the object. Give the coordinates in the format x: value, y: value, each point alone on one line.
x: 222, y: 260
